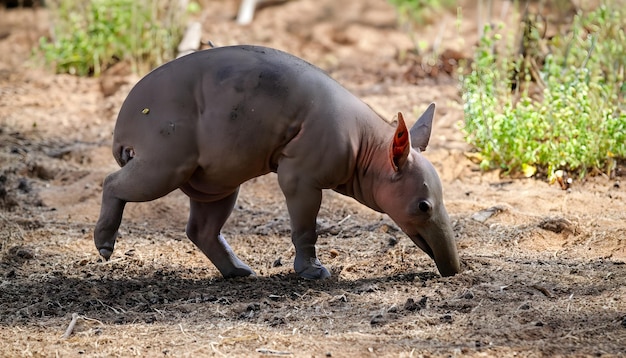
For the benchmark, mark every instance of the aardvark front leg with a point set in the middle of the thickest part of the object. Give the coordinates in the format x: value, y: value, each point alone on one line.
x: 303, y: 203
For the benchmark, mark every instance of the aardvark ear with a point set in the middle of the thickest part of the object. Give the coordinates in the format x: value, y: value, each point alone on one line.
x: 420, y: 132
x: 400, y: 145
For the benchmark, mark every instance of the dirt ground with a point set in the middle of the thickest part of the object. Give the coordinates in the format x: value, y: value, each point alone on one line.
x: 544, y: 269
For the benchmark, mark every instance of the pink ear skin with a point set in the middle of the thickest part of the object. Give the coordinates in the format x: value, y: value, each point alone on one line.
x: 400, y: 145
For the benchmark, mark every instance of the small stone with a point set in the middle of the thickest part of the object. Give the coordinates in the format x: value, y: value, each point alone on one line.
x: 422, y: 302
x: 378, y: 319
x: 410, y: 305
x: 277, y: 321
x: 557, y: 225
x: 485, y: 214
x: 24, y: 254
x: 446, y: 318
x: 24, y: 186
x: 254, y: 306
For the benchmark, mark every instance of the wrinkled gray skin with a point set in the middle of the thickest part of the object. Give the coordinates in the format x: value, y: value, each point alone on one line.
x: 209, y: 121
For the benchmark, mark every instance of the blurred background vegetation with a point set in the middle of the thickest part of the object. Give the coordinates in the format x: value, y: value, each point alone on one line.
x: 89, y: 36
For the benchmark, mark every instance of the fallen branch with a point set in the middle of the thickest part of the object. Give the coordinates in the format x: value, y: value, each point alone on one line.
x: 70, y: 327
x: 543, y: 290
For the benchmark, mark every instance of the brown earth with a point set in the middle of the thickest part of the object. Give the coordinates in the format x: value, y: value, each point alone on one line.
x: 544, y: 269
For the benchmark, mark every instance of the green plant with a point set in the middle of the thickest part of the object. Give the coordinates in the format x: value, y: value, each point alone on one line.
x: 420, y: 11
x: 565, y: 111
x: 89, y: 36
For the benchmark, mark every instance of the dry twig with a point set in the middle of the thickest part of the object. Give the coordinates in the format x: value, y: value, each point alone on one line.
x: 70, y: 327
x: 273, y: 352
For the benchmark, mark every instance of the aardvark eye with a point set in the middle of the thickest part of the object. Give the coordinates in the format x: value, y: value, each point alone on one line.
x: 424, y: 206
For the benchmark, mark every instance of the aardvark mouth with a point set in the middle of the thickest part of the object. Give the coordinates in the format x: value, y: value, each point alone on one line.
x: 422, y: 244
x: 440, y: 246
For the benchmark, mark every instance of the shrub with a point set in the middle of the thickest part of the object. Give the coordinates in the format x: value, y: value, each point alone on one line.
x: 89, y: 36
x: 525, y: 113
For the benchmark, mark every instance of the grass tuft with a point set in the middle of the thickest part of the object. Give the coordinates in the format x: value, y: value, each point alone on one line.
x: 87, y: 37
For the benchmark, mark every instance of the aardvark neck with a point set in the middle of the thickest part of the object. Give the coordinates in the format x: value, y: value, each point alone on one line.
x: 372, y: 165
